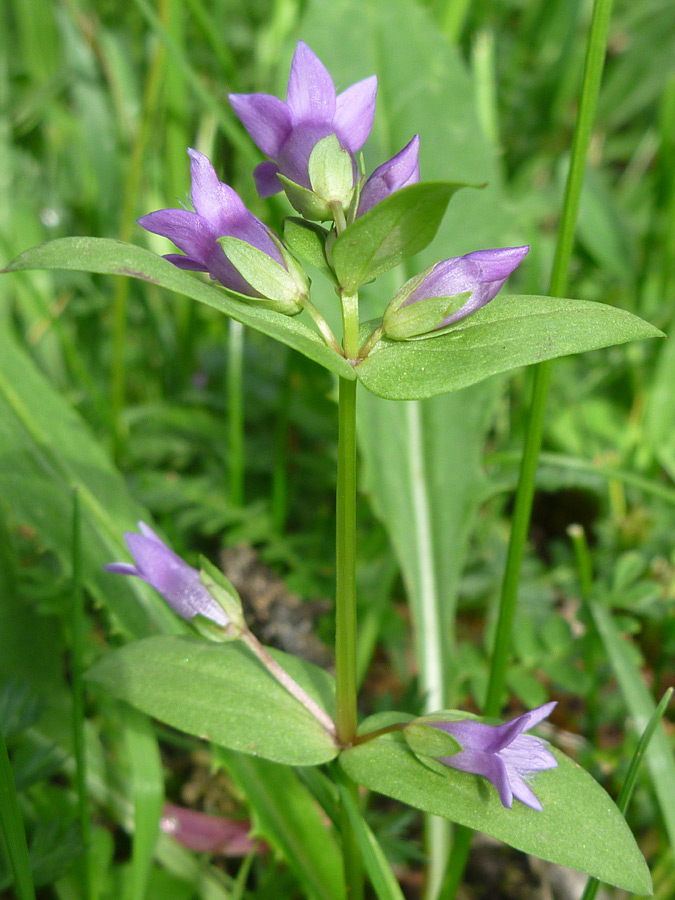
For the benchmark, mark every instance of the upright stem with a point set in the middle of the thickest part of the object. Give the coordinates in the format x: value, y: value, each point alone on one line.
x: 345, y: 596
x: 346, y: 683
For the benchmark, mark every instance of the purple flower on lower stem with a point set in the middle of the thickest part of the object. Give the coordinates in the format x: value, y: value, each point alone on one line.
x: 502, y: 753
x: 288, y: 132
x: 218, y: 212
x: 398, y: 172
x: 174, y: 579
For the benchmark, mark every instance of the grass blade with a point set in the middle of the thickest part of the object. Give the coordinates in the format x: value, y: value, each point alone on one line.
x: 13, y: 832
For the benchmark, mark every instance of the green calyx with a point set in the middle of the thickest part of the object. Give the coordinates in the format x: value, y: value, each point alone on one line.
x: 281, y: 288
x: 402, y: 323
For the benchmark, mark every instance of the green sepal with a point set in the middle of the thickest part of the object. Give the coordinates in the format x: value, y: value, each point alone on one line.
x: 224, y: 593
x: 424, y: 740
x: 308, y: 240
x: 277, y: 285
x: 331, y: 171
x: 421, y: 317
x: 394, y: 229
x: 305, y: 201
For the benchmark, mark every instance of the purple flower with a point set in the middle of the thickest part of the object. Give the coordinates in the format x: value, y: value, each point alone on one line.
x: 288, y: 132
x: 219, y: 212
x: 502, y: 753
x: 174, y: 579
x: 479, y: 276
x: 398, y: 172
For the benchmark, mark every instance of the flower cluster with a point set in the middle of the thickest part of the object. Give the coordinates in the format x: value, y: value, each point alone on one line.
x: 312, y: 141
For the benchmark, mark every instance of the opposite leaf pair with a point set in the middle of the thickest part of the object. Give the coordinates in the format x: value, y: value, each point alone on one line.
x: 503, y: 754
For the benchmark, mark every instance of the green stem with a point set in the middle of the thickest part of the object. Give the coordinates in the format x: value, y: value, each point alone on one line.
x: 279, y: 501
x: 595, y: 56
x: 323, y: 326
x: 235, y: 412
x: 277, y: 671
x: 345, y: 610
x: 346, y: 684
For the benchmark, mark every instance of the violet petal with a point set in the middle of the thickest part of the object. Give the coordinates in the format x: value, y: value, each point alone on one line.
x: 266, y: 118
x: 189, y: 232
x: 355, y: 112
x: 396, y: 173
x: 266, y: 182
x: 311, y: 92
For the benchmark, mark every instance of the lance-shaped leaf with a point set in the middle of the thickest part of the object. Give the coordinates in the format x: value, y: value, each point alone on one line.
x: 509, y: 332
x: 221, y: 693
x: 579, y: 825
x: 109, y: 257
x: 393, y: 230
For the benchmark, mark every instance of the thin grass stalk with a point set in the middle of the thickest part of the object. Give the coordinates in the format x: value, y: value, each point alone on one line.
x: 12, y: 829
x: 453, y: 18
x: 77, y: 670
x: 131, y: 189
x: 595, y: 57
x: 592, y: 76
x: 236, y: 461
x: 177, y: 140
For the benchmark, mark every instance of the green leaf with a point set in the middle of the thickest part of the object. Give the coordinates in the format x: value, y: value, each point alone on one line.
x: 221, y: 693
x: 287, y: 816
x: 579, y: 826
x: 509, y: 332
x: 398, y: 227
x: 110, y: 257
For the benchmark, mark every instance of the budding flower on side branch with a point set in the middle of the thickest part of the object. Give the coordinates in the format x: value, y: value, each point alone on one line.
x: 449, y: 291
